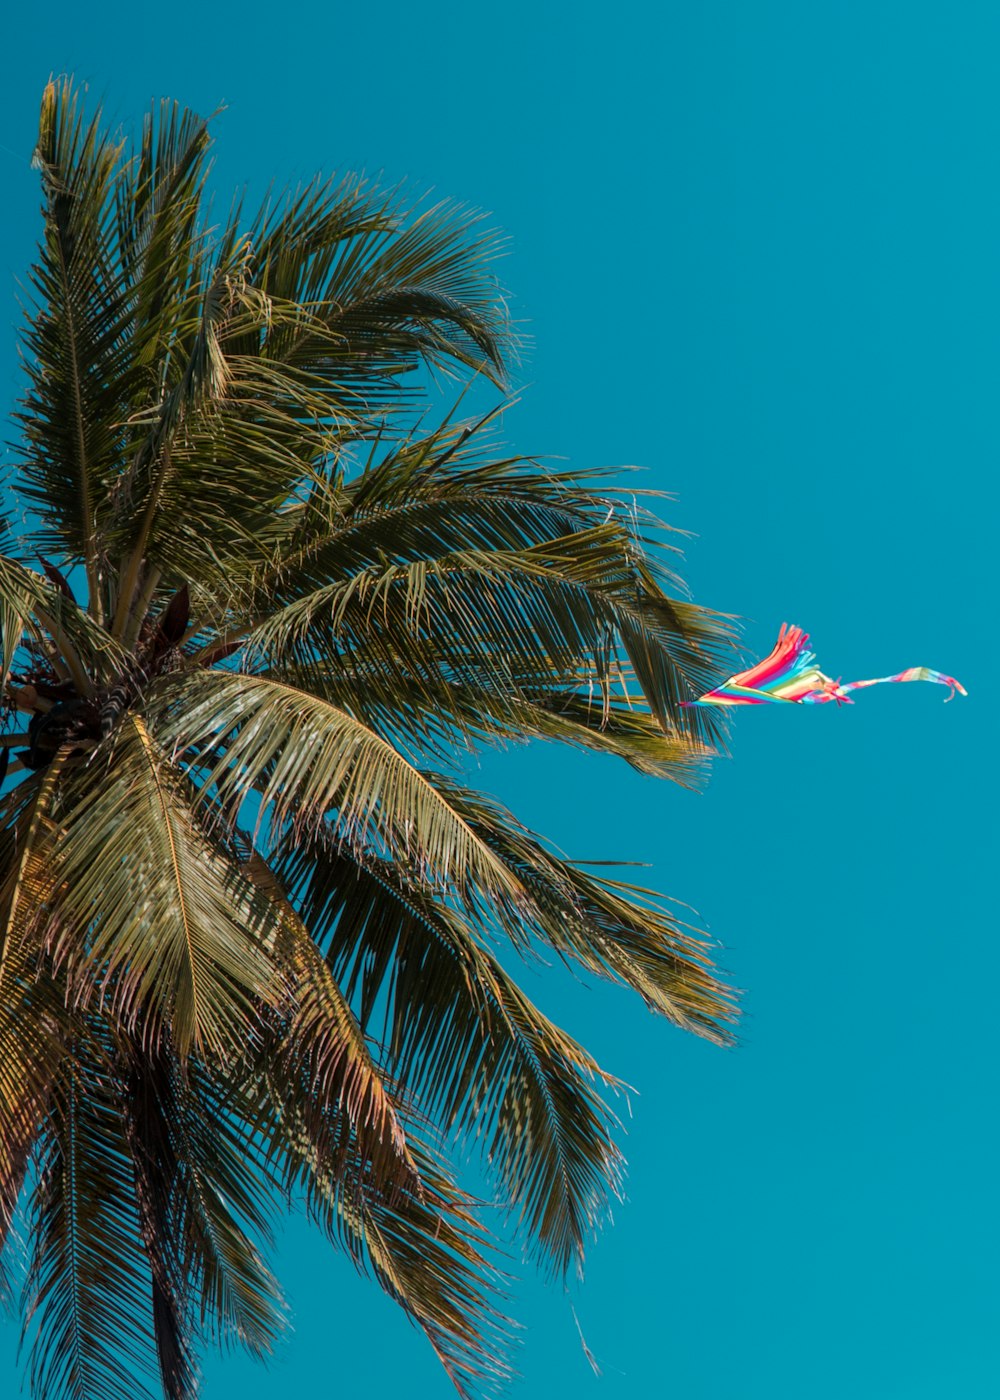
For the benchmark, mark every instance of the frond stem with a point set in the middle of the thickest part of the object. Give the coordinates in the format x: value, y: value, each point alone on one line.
x: 89, y: 537
x: 147, y: 748
x: 130, y: 580
x: 141, y: 607
x: 67, y: 653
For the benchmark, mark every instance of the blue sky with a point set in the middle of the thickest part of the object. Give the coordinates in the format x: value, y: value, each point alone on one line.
x: 756, y: 249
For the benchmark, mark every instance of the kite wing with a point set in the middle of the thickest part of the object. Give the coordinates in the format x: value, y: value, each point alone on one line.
x: 790, y: 675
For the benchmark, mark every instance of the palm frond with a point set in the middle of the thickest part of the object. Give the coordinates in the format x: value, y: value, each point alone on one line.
x: 73, y: 411
x: 152, y: 919
x: 439, y: 563
x: 87, y: 1291
x: 385, y: 284
x: 205, y: 1195
x: 159, y: 194
x: 424, y: 1245
x: 306, y: 758
x: 612, y: 929
x: 437, y: 719
x: 35, y: 1026
x: 430, y: 1254
x: 199, y: 384
x: 164, y: 354
x: 500, y: 624
x: 318, y: 1056
x: 462, y: 1037
x: 36, y: 614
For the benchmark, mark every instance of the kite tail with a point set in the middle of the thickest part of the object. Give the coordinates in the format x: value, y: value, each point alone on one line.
x: 913, y: 673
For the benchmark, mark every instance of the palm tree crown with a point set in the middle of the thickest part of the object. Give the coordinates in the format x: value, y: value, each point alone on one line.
x: 249, y: 909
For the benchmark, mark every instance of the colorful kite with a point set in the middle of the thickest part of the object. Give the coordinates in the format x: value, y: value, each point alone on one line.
x: 790, y: 676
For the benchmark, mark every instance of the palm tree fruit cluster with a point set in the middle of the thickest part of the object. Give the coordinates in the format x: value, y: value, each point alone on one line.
x: 257, y: 609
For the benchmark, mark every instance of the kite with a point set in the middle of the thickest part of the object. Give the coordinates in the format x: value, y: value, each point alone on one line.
x: 790, y: 676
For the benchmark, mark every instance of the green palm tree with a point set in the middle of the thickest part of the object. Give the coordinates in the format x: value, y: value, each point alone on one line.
x: 249, y: 909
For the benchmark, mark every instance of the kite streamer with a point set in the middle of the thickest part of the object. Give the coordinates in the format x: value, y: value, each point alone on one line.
x: 790, y: 676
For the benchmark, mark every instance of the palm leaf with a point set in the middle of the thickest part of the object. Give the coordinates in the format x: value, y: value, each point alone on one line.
x: 434, y: 719
x: 204, y: 1194
x: 429, y: 1253
x: 35, y: 1026
x: 384, y: 284
x: 424, y: 1246
x: 318, y: 1055
x: 461, y: 1035
x: 307, y: 759
x: 36, y: 614
x: 74, y: 341
x: 87, y: 1289
x: 152, y: 918
x: 438, y: 563
x: 612, y: 929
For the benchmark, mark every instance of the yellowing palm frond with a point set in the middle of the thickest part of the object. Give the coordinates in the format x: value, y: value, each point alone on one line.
x: 151, y: 918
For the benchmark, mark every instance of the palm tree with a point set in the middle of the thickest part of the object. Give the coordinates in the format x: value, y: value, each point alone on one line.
x: 250, y: 912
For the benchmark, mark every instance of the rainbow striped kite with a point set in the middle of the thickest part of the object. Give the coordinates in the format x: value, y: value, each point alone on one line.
x: 790, y: 676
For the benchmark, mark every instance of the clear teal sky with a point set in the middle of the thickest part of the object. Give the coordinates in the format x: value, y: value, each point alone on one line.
x: 758, y: 249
